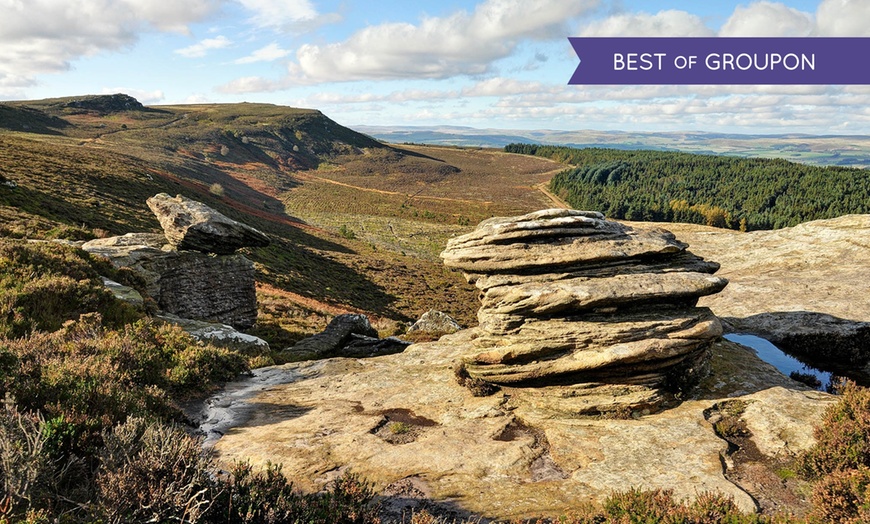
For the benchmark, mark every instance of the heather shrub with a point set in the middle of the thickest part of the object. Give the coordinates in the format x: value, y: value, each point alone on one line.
x: 152, y: 473
x: 843, y: 437
x: 43, y: 285
x: 842, y: 496
x: 87, y: 377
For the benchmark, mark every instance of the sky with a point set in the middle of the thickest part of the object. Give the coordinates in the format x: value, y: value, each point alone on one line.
x: 494, y: 64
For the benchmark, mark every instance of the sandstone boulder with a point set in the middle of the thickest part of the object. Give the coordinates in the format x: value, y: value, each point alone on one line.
x: 189, y: 224
x: 569, y: 298
x: 529, y: 460
x: 434, y: 321
x: 218, y: 334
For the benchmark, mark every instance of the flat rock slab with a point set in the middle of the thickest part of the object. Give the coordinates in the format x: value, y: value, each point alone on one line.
x: 403, y: 418
x: 189, y: 224
x: 818, y: 266
x: 553, y: 238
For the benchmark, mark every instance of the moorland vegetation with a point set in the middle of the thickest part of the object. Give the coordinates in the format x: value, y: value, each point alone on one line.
x: 91, y: 422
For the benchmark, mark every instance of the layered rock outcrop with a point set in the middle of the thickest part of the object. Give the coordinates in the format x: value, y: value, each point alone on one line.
x: 190, y: 283
x: 568, y: 297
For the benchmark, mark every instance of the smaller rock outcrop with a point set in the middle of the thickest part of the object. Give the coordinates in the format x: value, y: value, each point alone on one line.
x: 347, y: 335
x: 189, y: 224
x: 571, y: 299
x: 434, y: 321
x: 191, y: 284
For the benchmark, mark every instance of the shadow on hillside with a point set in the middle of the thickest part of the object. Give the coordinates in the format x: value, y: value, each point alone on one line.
x: 30, y: 120
x: 292, y: 264
x: 408, y: 152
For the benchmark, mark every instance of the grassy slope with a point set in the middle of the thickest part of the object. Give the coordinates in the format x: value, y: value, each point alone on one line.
x: 85, y: 167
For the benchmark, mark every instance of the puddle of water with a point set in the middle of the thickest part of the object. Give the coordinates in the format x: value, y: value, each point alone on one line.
x: 777, y: 358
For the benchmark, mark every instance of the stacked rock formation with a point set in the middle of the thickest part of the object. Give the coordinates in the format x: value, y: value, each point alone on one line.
x: 184, y: 278
x: 571, y: 298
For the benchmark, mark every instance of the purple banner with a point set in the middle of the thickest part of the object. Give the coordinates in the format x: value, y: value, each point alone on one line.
x: 692, y: 61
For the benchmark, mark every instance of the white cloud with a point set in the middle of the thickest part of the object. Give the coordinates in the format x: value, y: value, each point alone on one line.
x: 202, y: 47
x: 843, y: 18
x: 45, y: 36
x: 664, y: 23
x: 251, y: 84
x: 269, y: 53
x: 500, y: 86
x: 144, y: 97
x: 281, y: 14
x: 439, y: 47
x: 768, y: 19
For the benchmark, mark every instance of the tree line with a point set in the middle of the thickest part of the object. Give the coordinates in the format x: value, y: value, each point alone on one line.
x: 716, y: 190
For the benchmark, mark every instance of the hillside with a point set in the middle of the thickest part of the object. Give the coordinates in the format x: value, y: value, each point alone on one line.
x: 356, y: 224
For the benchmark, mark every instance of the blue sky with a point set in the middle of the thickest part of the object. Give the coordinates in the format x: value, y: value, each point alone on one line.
x: 500, y: 64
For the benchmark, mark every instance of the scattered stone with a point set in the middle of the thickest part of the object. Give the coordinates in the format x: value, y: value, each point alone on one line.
x: 360, y: 346
x: 434, y: 321
x: 133, y: 240
x: 569, y: 298
x: 334, y: 338
x: 189, y: 224
x: 217, y: 334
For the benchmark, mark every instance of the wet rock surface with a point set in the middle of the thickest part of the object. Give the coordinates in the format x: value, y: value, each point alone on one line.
x: 321, y: 417
x: 801, y: 287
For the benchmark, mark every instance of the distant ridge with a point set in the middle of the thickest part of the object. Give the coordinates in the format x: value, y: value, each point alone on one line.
x: 841, y: 150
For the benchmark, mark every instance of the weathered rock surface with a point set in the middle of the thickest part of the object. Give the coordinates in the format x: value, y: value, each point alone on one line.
x: 570, y: 298
x: 552, y: 238
x: 187, y: 283
x: 221, y: 335
x: 800, y: 287
x: 347, y: 335
x: 189, y: 224
x: 434, y: 321
x: 506, y: 455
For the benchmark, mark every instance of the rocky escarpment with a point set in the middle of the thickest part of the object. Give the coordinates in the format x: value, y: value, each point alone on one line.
x: 404, y: 419
x: 191, y: 283
x: 569, y: 298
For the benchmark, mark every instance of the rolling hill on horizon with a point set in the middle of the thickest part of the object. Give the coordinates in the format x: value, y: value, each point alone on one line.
x: 840, y: 150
